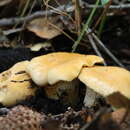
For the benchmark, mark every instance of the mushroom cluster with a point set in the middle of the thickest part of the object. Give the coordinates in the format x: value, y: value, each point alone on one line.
x: 60, y: 73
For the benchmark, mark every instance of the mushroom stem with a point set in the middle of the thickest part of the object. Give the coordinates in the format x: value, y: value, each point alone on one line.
x: 90, y: 97
x: 65, y: 91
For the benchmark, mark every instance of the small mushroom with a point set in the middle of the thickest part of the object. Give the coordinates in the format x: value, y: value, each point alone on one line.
x: 58, y: 72
x: 15, y: 84
x: 110, y: 82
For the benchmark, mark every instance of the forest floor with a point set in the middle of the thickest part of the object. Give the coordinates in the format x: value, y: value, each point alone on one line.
x: 32, y: 28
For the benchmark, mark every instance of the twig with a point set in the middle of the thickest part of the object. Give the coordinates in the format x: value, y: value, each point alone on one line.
x: 19, y: 20
x: 121, y: 6
x: 77, y: 15
x: 61, y: 31
x: 11, y: 31
x: 26, y: 7
x: 98, y: 41
x: 29, y: 12
x: 95, y: 47
x: 96, y: 118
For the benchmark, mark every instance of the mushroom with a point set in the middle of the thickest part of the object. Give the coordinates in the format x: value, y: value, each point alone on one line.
x: 110, y: 82
x: 58, y: 72
x: 60, y: 66
x: 15, y: 84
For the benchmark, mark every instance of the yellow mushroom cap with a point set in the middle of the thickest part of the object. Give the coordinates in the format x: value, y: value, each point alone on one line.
x: 15, y: 84
x: 55, y: 67
x: 106, y: 80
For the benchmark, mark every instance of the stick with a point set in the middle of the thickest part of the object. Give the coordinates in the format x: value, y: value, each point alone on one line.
x: 106, y: 50
x: 38, y: 14
x: 95, y: 47
x: 121, y: 6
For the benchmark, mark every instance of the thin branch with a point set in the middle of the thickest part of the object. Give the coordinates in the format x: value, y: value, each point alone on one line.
x: 95, y: 47
x: 96, y: 118
x: 121, y: 6
x: 19, y: 20
x: 77, y: 15
x: 98, y: 41
x: 11, y: 31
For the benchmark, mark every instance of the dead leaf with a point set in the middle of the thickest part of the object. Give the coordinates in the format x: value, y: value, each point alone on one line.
x: 45, y: 27
x: 117, y: 116
x: 118, y: 100
x: 114, y: 120
x: 117, y: 120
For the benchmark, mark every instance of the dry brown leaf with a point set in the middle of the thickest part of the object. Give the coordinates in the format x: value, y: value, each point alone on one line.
x: 117, y: 116
x: 114, y: 120
x: 118, y: 100
x: 45, y: 27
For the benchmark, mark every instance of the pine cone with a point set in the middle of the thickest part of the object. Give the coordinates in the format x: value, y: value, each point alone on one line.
x: 21, y: 118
